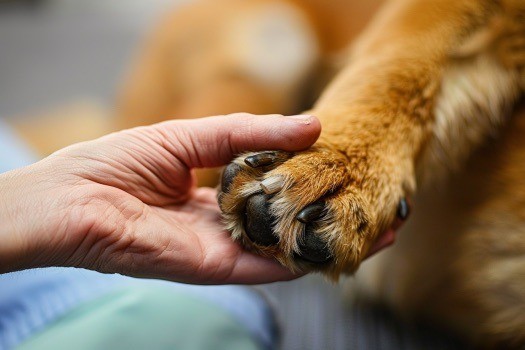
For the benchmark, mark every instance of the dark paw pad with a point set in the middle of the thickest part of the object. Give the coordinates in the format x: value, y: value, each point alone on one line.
x: 313, y: 248
x: 258, y: 221
x: 228, y: 175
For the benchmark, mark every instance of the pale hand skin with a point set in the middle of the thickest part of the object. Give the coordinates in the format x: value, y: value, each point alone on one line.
x: 127, y: 203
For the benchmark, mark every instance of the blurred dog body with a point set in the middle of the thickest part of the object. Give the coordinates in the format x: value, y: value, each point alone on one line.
x: 461, y: 261
x: 220, y: 57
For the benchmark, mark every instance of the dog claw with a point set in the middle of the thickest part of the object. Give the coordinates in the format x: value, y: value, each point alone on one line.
x: 310, y: 213
x: 403, y: 209
x: 261, y: 159
x: 272, y: 184
x: 313, y: 249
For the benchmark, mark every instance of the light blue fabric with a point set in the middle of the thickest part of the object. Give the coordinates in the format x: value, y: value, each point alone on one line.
x: 13, y: 152
x: 32, y: 299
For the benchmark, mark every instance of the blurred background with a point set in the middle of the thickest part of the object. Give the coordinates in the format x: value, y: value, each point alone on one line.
x: 61, y: 63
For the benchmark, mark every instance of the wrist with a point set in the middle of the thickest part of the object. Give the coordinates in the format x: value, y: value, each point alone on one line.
x: 14, y: 248
x: 27, y: 219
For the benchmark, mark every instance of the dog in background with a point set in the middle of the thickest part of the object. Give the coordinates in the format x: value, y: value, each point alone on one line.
x: 409, y: 93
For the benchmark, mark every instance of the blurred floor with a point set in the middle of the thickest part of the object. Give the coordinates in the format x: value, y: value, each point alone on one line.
x: 315, y: 316
x: 72, y: 50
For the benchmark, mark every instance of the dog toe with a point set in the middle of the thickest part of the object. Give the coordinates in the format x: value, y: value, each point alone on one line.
x: 228, y: 175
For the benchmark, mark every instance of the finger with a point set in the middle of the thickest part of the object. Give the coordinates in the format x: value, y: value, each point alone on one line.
x: 214, y: 141
x: 254, y: 269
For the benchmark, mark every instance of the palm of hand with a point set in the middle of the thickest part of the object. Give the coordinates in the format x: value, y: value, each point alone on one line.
x: 127, y: 202
x: 155, y: 222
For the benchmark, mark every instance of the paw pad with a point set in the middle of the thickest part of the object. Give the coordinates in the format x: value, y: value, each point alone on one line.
x: 312, y: 248
x: 228, y: 175
x: 258, y: 221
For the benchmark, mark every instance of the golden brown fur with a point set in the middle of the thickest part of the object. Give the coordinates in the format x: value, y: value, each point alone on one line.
x: 460, y: 260
x: 423, y: 87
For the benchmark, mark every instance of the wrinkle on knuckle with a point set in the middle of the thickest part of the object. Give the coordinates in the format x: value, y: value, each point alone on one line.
x: 182, y: 145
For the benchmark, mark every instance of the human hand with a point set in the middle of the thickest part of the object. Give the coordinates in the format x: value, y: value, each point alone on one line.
x: 127, y: 202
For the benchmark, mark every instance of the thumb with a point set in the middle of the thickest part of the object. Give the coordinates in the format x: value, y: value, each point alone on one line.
x: 214, y: 141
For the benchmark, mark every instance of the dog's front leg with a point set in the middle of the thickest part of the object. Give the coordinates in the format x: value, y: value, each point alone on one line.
x: 331, y: 206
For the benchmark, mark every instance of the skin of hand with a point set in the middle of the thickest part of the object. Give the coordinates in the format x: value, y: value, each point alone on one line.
x: 127, y: 202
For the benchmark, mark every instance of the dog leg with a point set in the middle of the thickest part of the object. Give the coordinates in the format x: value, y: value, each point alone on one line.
x: 331, y: 206
x: 460, y: 262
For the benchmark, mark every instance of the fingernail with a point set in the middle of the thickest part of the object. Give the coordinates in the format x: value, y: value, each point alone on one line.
x: 303, y: 118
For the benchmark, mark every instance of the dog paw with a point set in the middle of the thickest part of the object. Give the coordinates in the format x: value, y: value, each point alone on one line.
x: 312, y: 210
